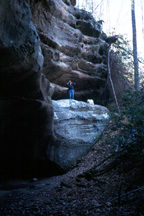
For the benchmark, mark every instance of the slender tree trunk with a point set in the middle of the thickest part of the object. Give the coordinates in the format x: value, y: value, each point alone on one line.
x: 92, y: 7
x: 142, y: 19
x: 136, y: 72
x: 109, y: 73
x: 78, y: 3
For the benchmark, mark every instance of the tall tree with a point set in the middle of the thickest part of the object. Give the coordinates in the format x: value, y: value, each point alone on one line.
x: 142, y: 18
x: 136, y: 72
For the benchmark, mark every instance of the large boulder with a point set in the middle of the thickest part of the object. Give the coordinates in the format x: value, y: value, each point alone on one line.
x: 74, y: 48
x: 77, y: 126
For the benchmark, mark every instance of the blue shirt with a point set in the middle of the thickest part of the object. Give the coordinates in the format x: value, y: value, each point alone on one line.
x: 71, y: 86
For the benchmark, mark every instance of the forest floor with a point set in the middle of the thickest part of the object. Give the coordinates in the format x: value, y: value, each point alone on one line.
x: 101, y: 184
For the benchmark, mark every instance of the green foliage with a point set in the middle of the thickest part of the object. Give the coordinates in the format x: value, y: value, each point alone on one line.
x: 131, y: 121
x: 127, y: 128
x: 135, y: 113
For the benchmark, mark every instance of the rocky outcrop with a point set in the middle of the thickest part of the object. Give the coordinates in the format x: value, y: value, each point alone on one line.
x: 74, y: 48
x: 77, y: 126
x: 26, y: 114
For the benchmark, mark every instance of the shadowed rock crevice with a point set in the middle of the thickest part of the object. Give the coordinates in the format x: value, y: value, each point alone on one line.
x: 26, y: 113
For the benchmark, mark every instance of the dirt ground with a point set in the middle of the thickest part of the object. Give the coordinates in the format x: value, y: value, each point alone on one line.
x: 89, y: 189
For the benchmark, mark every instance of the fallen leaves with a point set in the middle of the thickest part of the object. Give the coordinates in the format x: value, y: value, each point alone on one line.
x: 81, y: 192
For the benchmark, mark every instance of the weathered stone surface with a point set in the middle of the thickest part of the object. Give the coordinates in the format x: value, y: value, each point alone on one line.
x: 26, y: 114
x: 77, y: 125
x: 74, y: 48
x: 70, y: 2
x: 20, y: 51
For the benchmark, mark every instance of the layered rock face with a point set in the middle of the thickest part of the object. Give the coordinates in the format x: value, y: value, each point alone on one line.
x: 74, y: 48
x: 26, y: 115
x: 77, y: 126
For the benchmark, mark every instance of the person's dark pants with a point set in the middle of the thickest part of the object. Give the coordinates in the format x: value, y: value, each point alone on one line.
x: 71, y: 94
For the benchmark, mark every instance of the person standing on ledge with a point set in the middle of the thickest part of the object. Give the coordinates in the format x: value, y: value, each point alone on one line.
x: 71, y: 90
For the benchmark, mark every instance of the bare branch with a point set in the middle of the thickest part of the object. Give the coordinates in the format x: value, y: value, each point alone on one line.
x: 109, y: 73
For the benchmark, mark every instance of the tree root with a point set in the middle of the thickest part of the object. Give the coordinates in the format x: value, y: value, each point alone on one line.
x: 96, y: 172
x: 115, y: 157
x: 125, y: 194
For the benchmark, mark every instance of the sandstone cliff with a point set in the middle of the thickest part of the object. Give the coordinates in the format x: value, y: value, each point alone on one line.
x: 74, y: 48
x: 26, y: 114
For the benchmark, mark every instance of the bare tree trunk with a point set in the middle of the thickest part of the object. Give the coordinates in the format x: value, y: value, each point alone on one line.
x: 92, y: 7
x: 109, y: 73
x: 136, y: 72
x: 142, y: 19
x: 78, y: 3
